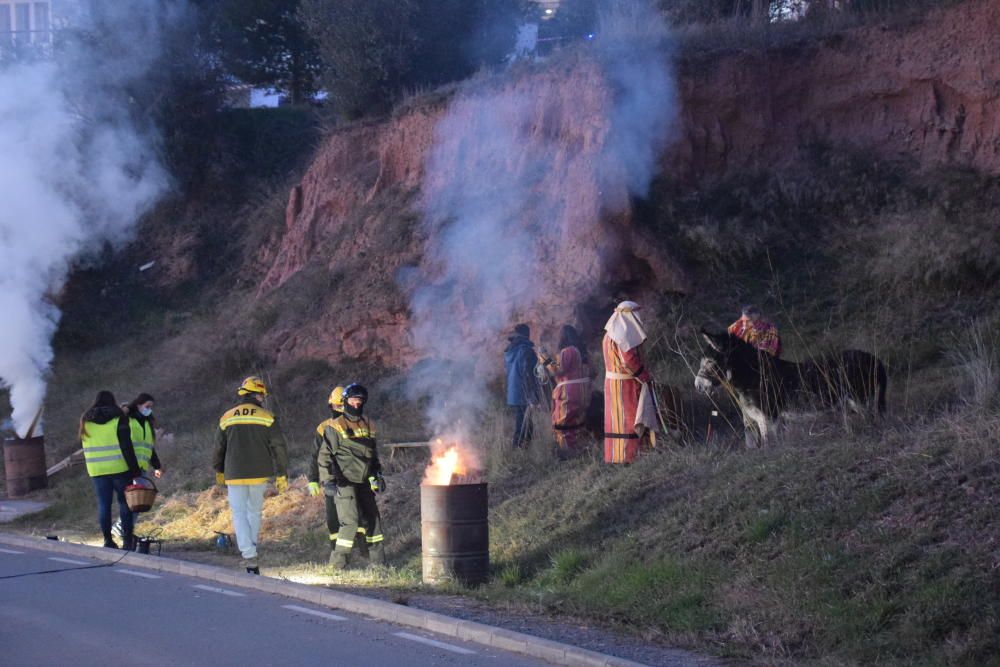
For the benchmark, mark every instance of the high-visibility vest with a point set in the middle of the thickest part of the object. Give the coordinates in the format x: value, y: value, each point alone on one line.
x: 101, y: 450
x: 143, y: 441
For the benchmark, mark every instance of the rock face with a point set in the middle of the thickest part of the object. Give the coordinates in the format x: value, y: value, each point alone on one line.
x: 355, y: 215
x: 928, y: 92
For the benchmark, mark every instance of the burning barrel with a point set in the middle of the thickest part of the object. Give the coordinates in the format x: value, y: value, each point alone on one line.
x: 24, y: 463
x: 455, y: 533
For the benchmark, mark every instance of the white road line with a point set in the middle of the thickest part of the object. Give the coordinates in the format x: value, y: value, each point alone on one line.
x: 134, y: 573
x: 435, y: 643
x: 69, y: 560
x: 321, y: 614
x: 223, y: 591
x: 10, y: 551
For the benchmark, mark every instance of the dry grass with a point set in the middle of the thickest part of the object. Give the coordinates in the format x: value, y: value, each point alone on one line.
x: 976, y: 356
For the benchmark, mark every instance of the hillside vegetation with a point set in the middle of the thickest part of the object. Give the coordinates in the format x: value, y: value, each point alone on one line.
x: 847, y: 542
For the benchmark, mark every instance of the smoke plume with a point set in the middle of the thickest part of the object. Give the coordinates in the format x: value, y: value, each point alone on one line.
x: 77, y: 169
x: 499, y: 221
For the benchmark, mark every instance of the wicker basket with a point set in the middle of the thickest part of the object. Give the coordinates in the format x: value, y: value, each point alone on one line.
x: 140, y: 498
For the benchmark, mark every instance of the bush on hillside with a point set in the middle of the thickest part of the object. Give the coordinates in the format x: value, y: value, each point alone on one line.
x: 929, y: 249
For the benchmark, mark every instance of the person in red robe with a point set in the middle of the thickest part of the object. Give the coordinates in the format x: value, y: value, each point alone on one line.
x: 630, y: 419
x: 571, y: 395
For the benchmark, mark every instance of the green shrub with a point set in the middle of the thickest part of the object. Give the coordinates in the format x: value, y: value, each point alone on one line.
x: 512, y: 575
x: 568, y: 564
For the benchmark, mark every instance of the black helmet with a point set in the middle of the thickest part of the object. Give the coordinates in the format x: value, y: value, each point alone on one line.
x: 354, y: 390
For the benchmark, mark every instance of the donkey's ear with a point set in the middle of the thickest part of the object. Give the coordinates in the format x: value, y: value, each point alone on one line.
x: 712, y: 340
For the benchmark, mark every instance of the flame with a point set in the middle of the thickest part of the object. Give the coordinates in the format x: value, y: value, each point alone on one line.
x: 445, y: 465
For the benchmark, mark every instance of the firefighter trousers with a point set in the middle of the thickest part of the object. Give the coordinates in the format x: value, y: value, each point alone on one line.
x: 333, y: 526
x: 357, y: 510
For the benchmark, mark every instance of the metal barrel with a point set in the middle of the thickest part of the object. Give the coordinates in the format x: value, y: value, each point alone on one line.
x: 24, y: 463
x: 455, y: 533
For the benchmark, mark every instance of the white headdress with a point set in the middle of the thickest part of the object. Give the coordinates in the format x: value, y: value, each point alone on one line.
x: 625, y: 327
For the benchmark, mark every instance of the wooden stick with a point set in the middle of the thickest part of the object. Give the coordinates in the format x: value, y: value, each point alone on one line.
x: 62, y: 465
x: 34, y: 423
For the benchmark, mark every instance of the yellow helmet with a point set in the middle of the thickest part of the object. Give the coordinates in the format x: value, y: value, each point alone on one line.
x: 252, y: 385
x: 336, y: 399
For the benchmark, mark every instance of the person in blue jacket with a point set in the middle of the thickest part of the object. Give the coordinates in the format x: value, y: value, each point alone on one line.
x: 523, y: 391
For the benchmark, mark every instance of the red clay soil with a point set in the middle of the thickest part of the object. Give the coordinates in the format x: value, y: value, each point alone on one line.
x: 928, y: 92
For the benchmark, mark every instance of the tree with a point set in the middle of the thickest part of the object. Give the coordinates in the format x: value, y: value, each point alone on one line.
x: 263, y: 42
x: 374, y: 50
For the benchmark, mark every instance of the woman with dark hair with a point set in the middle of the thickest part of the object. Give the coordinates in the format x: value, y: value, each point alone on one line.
x: 142, y: 425
x: 571, y: 395
x: 111, y: 462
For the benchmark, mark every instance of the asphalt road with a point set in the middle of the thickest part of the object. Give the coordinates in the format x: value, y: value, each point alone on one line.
x: 118, y: 615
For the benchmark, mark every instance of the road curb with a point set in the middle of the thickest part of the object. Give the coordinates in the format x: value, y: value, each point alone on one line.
x: 471, y: 631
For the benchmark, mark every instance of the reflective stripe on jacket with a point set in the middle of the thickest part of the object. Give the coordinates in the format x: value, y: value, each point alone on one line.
x: 348, y: 451
x: 143, y: 441
x: 249, y: 445
x: 102, y: 450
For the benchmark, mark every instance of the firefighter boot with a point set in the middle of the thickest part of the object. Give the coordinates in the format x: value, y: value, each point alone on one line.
x: 377, y: 554
x: 339, y: 557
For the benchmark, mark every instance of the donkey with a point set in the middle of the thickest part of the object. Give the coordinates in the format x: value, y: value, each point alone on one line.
x: 765, y: 387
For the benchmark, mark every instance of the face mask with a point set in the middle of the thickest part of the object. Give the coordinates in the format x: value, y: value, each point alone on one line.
x: 352, y: 411
x: 145, y: 412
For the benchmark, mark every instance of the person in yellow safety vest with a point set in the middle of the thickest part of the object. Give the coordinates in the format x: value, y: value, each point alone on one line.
x: 143, y: 429
x: 249, y: 449
x: 111, y: 462
x: 336, y: 403
x: 348, y: 463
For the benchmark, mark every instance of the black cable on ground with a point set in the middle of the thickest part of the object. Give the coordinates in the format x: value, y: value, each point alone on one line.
x: 67, y: 569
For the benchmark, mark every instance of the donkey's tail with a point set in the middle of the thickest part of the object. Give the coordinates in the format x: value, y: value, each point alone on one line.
x: 882, y: 379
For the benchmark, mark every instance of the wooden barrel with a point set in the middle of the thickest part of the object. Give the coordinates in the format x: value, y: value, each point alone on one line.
x: 455, y: 533
x: 24, y: 463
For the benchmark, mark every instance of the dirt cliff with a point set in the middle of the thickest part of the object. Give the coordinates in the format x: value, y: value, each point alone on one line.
x: 923, y: 92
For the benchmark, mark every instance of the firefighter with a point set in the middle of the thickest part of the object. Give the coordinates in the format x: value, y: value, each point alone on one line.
x: 348, y: 463
x: 336, y: 403
x: 111, y: 462
x: 249, y: 448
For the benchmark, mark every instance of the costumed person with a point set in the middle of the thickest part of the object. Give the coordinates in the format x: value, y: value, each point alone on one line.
x: 752, y: 328
x: 630, y: 418
x: 249, y: 449
x: 111, y: 463
x: 571, y: 395
x: 349, y: 464
x: 143, y: 427
x: 523, y: 390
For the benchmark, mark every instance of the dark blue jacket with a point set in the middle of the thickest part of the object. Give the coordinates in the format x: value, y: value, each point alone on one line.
x: 519, y: 361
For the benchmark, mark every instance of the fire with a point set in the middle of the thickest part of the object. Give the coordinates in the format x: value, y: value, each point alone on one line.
x: 449, y: 464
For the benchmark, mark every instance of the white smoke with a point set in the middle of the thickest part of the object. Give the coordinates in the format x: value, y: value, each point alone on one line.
x: 76, y: 172
x: 496, y: 218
